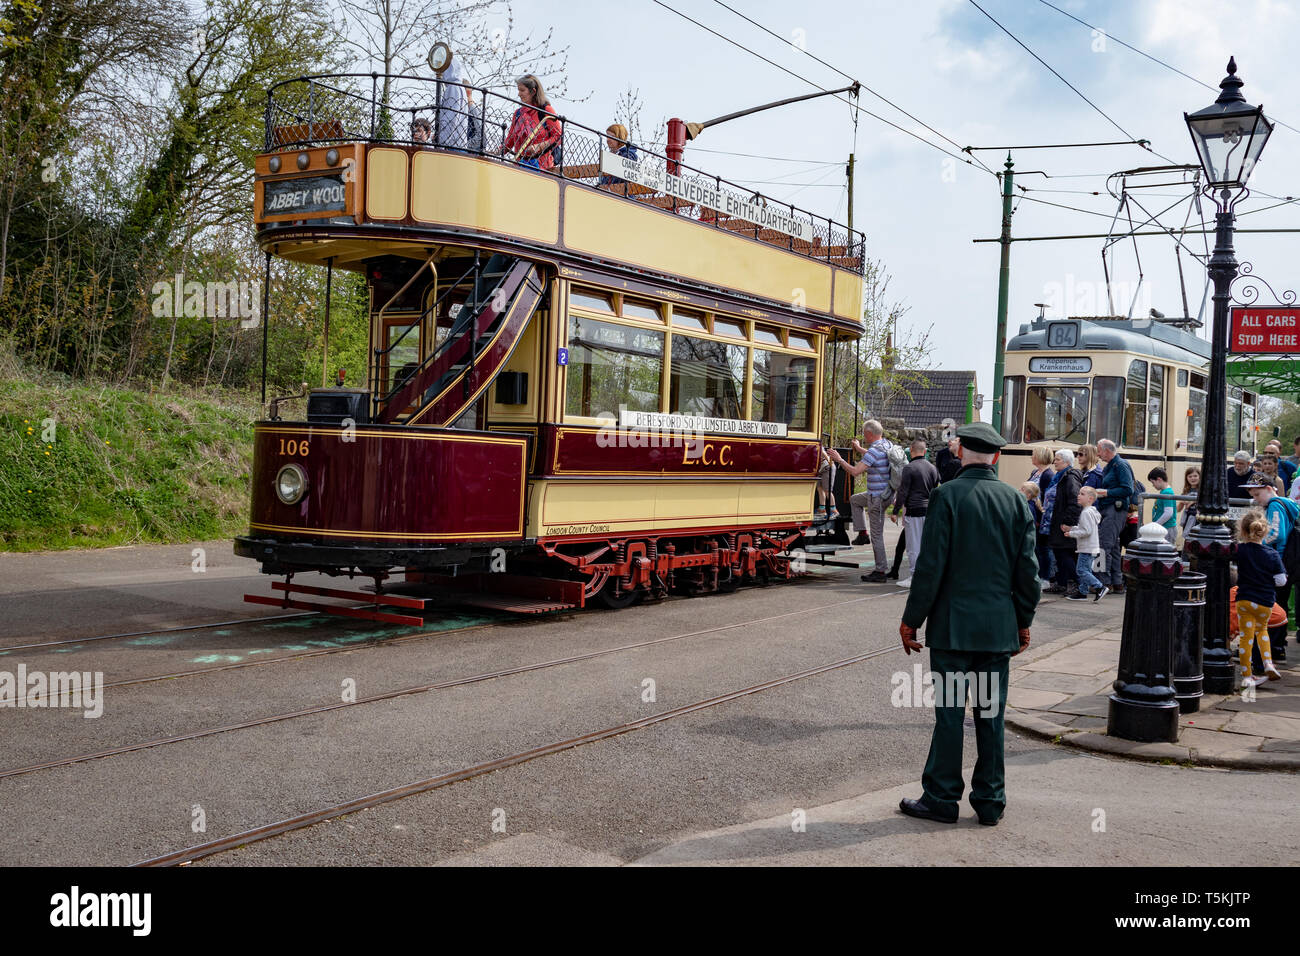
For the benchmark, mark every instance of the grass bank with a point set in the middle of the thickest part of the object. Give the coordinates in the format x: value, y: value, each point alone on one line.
x: 97, y: 466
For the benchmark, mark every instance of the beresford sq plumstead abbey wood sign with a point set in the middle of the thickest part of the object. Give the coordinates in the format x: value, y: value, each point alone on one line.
x: 703, y: 193
x: 1269, y: 328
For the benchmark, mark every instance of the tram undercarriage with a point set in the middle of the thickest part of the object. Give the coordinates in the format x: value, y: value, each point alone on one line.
x: 527, y: 577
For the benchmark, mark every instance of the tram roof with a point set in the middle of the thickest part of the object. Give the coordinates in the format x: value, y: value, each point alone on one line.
x: 1103, y: 333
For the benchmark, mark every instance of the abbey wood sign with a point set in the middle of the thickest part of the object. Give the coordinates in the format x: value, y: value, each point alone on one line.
x: 702, y: 193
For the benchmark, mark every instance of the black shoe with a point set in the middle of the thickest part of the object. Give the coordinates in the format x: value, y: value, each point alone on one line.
x: 1117, y: 589
x: 1054, y: 589
x: 915, y: 808
x: 860, y: 539
x: 893, y: 574
x: 1279, y: 651
x: 991, y: 821
x: 875, y: 577
x: 1076, y: 596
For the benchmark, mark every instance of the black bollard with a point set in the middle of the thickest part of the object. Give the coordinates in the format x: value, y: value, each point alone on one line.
x: 1143, y: 707
x: 1189, y: 627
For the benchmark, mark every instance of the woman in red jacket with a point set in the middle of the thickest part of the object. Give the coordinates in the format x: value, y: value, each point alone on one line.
x: 534, y: 131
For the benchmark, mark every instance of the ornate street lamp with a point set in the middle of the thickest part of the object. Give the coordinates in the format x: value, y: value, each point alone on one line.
x: 1229, y: 136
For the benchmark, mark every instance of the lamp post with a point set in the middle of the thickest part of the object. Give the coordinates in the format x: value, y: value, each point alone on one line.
x: 1229, y: 136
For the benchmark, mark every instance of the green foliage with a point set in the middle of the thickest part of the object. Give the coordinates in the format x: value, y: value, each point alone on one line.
x: 124, y: 466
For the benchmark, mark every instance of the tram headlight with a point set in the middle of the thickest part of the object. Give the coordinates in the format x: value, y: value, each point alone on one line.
x: 291, y: 484
x: 274, y: 164
x: 332, y: 158
x: 304, y: 160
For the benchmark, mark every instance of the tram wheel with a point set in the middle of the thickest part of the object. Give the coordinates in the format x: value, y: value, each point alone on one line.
x: 617, y: 600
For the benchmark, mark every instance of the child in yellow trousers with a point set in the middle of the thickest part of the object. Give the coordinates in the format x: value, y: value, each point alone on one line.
x: 1259, y: 572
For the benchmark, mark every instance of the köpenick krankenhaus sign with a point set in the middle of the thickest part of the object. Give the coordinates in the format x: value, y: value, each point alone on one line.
x: 698, y: 192
x: 305, y: 198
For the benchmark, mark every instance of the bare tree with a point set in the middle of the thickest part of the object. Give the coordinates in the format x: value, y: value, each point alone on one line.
x: 393, y: 37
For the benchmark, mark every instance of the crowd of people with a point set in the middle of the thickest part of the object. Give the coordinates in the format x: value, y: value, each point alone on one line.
x: 1087, y: 506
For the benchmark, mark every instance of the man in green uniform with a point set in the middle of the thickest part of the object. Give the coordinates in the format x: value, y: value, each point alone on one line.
x: 975, y: 588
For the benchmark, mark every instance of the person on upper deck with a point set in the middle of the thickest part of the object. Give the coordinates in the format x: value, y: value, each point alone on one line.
x: 534, y: 130
x: 421, y: 132
x: 452, y: 118
x: 616, y: 140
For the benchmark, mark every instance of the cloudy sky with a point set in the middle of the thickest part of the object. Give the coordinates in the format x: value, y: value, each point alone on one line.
x: 950, y: 66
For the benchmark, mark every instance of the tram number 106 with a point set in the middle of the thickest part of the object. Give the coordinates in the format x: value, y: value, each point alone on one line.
x: 294, y: 447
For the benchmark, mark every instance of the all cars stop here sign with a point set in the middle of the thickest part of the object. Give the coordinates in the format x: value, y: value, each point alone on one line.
x: 1265, y: 329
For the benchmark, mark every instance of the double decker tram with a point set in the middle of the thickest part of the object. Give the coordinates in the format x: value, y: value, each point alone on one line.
x: 1139, y: 382
x: 590, y: 377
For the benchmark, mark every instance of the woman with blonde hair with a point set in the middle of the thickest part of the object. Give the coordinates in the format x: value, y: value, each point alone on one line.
x: 535, y: 132
x: 1090, y: 465
x: 1043, y: 476
x: 616, y: 139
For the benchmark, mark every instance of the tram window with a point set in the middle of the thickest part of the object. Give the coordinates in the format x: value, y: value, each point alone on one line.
x: 771, y: 336
x: 1182, y: 378
x: 1248, y: 426
x: 404, y: 357
x: 587, y: 299
x: 1135, y: 405
x: 1013, y: 412
x: 799, y: 341
x: 733, y: 329
x: 783, y: 389
x: 684, y: 319
x: 707, y: 378
x: 1054, y: 413
x: 641, y: 310
x: 1196, y: 421
x: 1107, y: 408
x: 612, y: 365
x: 1155, y: 407
x: 1233, y: 429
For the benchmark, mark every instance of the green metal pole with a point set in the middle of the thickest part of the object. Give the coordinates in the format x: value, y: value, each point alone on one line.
x: 1004, y: 280
x: 970, y: 401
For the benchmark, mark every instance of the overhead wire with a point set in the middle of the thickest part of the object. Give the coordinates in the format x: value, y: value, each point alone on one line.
x: 1153, y: 59
x: 1076, y: 90
x: 831, y: 66
x: 964, y: 159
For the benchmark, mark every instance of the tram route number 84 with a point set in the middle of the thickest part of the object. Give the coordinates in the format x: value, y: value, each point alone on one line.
x: 294, y: 447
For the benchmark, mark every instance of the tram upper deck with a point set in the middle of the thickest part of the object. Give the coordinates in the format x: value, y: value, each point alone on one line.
x: 1138, y: 382
x: 345, y: 179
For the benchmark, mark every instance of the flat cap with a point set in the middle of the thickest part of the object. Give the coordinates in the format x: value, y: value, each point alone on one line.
x: 1259, y: 480
x: 980, y: 437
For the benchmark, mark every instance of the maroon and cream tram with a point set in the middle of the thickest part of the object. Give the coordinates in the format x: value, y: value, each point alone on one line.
x: 582, y: 385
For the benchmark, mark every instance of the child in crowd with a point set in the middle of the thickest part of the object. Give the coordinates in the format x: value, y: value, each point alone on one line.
x: 1088, y: 546
x: 1191, y: 486
x: 1165, y: 513
x: 1259, y: 571
x: 824, y: 494
x: 1277, y: 622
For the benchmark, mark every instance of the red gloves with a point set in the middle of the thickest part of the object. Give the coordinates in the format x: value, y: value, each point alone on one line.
x: 910, y: 643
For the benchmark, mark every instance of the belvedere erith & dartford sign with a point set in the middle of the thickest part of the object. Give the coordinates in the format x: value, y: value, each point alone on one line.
x: 1274, y: 328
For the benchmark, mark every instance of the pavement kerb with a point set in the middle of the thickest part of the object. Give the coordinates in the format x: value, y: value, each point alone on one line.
x: 1159, y: 752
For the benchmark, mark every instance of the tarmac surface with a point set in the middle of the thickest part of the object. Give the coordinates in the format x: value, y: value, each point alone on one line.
x: 715, y: 784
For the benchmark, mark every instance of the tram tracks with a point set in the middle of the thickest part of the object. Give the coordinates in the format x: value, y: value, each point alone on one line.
x: 302, y: 821
x: 162, y: 630
x: 401, y: 692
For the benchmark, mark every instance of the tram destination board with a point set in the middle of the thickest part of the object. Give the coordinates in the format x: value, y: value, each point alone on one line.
x: 1265, y: 329
x: 305, y: 198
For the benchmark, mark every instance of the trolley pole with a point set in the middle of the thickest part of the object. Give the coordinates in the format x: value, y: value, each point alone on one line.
x: 1004, y: 281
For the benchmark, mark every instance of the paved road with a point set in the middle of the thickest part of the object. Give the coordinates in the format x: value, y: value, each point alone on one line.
x: 806, y: 744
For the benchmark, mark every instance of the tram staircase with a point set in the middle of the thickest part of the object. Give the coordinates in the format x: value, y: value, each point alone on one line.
x: 504, y: 294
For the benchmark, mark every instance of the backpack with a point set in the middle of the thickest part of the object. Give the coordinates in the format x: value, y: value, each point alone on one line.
x: 897, y: 462
x: 1291, y: 553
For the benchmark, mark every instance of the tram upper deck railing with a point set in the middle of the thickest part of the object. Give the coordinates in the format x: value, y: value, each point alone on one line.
x: 338, y: 108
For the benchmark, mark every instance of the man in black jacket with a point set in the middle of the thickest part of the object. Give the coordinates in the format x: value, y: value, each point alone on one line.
x: 947, y: 461
x: 918, y: 480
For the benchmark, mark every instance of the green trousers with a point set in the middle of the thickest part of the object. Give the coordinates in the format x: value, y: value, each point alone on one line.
x: 981, y: 678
